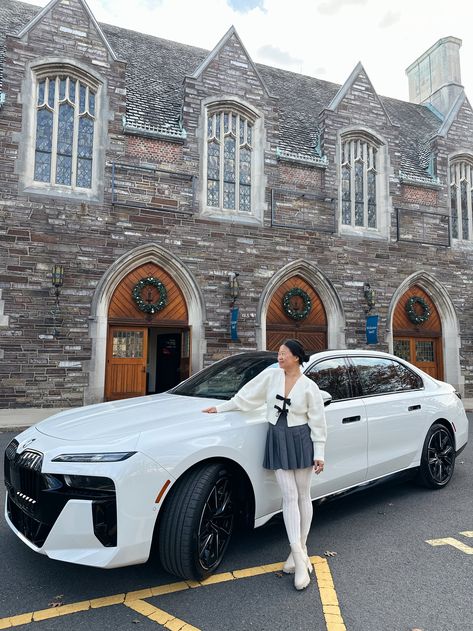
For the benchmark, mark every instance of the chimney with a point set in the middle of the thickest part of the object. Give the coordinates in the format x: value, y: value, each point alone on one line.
x: 435, y: 77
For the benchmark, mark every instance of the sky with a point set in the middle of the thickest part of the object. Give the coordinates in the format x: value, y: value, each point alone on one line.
x: 320, y: 38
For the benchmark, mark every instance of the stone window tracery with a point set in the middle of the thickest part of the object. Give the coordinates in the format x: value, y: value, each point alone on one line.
x: 461, y: 199
x: 64, y: 130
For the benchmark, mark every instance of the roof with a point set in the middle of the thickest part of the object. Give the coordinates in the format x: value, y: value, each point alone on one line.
x: 156, y: 69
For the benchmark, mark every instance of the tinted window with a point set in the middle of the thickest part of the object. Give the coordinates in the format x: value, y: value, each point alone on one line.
x: 331, y: 375
x: 380, y: 376
x: 223, y: 379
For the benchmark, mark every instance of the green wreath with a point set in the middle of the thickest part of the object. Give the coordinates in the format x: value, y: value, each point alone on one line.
x: 414, y: 317
x: 146, y: 306
x: 289, y: 310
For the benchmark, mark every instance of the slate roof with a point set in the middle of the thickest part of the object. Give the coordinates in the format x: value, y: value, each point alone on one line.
x: 156, y: 68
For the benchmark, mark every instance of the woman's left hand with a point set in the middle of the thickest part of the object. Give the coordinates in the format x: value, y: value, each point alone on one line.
x: 318, y: 466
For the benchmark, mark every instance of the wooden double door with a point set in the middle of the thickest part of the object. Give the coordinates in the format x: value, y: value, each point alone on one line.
x: 144, y: 360
x: 311, y: 331
x: 147, y: 352
x: 420, y: 344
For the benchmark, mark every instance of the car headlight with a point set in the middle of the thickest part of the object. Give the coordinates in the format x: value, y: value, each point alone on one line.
x: 114, y: 456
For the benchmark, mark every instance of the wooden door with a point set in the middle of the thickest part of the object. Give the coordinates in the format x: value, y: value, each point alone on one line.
x: 127, y: 353
x: 311, y: 331
x: 421, y: 343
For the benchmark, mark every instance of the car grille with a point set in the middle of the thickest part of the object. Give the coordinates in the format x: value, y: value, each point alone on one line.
x: 35, y: 500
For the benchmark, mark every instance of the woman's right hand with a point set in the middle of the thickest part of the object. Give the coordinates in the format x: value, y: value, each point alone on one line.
x: 211, y: 410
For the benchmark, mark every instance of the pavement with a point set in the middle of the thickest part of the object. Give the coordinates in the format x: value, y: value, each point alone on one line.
x: 20, y: 418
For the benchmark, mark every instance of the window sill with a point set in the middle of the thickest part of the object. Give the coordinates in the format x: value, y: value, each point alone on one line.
x: 62, y: 193
x: 368, y: 233
x: 231, y: 217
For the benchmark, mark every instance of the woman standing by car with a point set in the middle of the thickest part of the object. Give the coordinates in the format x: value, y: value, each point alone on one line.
x: 294, y: 444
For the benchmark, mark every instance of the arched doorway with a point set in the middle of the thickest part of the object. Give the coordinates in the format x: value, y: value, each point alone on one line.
x: 310, y: 330
x: 148, y: 348
x: 419, y: 342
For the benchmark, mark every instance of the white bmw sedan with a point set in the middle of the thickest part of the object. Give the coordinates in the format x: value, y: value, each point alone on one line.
x: 97, y: 485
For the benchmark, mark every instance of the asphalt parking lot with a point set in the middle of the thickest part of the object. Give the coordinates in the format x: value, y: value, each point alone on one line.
x: 391, y: 558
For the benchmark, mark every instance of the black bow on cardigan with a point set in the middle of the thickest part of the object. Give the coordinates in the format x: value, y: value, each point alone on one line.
x: 284, y: 409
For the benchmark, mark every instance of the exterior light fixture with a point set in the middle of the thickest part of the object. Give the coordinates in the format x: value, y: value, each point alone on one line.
x: 369, y: 296
x: 57, y: 281
x: 234, y: 286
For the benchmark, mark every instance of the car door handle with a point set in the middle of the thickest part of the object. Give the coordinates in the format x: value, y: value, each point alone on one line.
x: 411, y: 408
x: 351, y: 419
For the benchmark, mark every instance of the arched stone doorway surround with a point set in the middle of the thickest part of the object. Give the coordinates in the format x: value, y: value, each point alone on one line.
x: 448, y: 317
x: 94, y: 393
x: 323, y: 287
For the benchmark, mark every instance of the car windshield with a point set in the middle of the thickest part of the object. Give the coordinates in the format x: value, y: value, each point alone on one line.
x: 223, y: 379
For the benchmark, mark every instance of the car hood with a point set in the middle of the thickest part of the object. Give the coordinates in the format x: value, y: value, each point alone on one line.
x: 117, y: 420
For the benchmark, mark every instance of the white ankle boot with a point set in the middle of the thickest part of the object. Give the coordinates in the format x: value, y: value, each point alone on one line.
x: 289, y: 567
x: 301, y: 575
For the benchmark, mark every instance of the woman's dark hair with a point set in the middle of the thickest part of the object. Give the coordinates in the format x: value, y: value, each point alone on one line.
x: 297, y: 350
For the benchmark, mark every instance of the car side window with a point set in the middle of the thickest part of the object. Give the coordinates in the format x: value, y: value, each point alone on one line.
x: 379, y: 375
x: 332, y: 376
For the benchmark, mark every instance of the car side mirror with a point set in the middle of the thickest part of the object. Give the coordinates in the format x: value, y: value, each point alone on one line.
x: 326, y: 397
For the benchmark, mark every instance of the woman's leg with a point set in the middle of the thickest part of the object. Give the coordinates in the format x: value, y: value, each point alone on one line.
x: 292, y: 521
x: 290, y: 505
x: 303, y: 478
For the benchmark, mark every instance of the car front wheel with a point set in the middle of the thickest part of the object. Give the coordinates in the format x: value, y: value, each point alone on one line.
x: 438, y: 457
x: 197, y: 522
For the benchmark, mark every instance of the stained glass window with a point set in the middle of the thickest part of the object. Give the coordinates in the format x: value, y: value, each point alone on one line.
x: 229, y: 158
x: 65, y: 126
x: 359, y: 183
x: 461, y: 199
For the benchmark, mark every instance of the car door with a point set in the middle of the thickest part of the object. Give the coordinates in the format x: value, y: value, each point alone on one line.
x: 346, y: 448
x: 393, y: 396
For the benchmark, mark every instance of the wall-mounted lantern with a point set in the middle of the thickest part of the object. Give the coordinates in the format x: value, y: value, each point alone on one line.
x: 57, y: 281
x: 370, y: 296
x: 234, y: 286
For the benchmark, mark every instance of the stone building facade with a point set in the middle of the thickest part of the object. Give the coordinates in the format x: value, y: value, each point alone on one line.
x: 153, y: 172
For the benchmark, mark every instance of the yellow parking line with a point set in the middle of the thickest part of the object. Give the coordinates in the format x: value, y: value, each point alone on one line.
x: 467, y: 533
x: 158, y: 615
x: 328, y: 595
x: 450, y: 541
x: 135, y: 599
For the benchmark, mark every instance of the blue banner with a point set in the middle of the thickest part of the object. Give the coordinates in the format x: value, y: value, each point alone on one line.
x: 372, y: 329
x: 233, y: 324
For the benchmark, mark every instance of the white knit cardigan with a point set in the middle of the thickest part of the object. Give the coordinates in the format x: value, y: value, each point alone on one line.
x: 307, y: 405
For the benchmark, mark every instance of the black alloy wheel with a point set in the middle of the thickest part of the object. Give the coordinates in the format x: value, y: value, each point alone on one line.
x: 216, y: 524
x: 197, y: 521
x: 438, y: 457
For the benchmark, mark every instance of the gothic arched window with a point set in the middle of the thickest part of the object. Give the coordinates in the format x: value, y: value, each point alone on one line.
x: 229, y: 160
x: 359, y: 171
x: 461, y: 198
x: 65, y: 130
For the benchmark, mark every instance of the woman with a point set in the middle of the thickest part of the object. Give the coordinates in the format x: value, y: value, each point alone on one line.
x: 294, y: 444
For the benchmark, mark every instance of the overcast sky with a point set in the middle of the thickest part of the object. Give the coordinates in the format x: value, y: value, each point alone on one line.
x: 320, y: 38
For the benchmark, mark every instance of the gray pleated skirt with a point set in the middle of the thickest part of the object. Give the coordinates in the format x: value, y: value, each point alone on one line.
x: 288, y: 447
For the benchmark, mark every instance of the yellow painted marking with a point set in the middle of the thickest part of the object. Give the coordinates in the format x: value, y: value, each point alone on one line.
x: 450, y: 541
x: 328, y: 595
x: 158, y: 615
x: 136, y: 599
x: 467, y: 533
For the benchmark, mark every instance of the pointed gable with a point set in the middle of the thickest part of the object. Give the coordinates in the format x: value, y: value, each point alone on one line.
x: 232, y: 47
x: 460, y: 114
x: 75, y: 18
x: 359, y: 82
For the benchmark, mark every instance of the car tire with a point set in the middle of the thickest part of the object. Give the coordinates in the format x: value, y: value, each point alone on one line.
x: 197, y: 522
x: 438, y: 458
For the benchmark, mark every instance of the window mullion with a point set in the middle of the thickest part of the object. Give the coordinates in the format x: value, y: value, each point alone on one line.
x: 55, y: 130
x: 469, y: 201
x: 459, y: 201
x: 222, y: 161
x: 237, y: 163
x: 352, y: 181
x: 75, y: 136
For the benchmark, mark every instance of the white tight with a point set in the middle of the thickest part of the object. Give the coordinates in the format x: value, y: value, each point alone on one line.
x: 296, y: 503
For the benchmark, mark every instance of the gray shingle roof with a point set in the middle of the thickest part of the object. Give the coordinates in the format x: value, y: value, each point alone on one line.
x: 156, y: 69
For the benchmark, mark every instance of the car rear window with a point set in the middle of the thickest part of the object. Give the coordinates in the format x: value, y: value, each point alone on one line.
x: 379, y: 375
